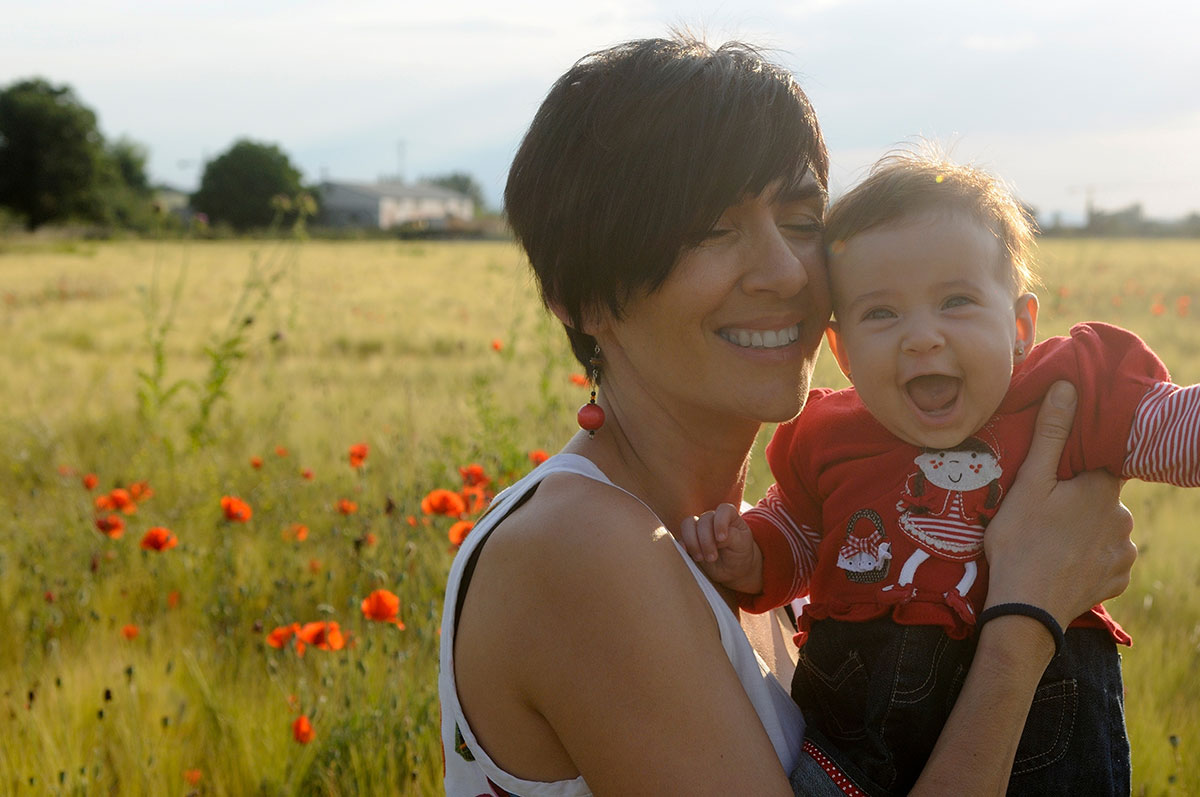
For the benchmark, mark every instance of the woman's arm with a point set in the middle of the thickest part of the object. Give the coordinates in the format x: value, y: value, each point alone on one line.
x: 586, y: 646
x: 1042, y: 524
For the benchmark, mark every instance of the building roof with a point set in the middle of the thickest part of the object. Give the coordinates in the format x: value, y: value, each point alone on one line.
x: 395, y: 190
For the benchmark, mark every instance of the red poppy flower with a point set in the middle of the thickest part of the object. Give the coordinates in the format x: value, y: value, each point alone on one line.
x: 280, y: 451
x: 1158, y: 308
x: 473, y: 475
x: 383, y: 606
x: 322, y: 635
x: 235, y: 509
x: 48, y: 596
x: 579, y: 380
x: 411, y: 520
x: 173, y: 599
x: 347, y: 507
x: 281, y: 635
x: 1182, y: 304
x: 497, y: 344
x: 140, y: 491
x: 358, y: 454
x: 307, y: 474
x: 314, y: 565
x: 537, y: 456
x: 443, y: 502
x: 129, y: 631
x: 256, y: 462
x: 159, y: 539
x: 111, y: 526
x: 90, y: 481
x: 193, y: 776
x: 302, y: 730
x: 117, y: 499
x: 475, y: 498
x: 458, y: 532
x: 297, y: 532
x: 369, y: 539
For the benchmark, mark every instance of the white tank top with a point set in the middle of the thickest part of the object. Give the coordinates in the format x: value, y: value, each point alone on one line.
x: 469, y: 770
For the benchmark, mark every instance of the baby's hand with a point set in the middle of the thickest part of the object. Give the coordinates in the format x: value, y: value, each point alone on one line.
x: 721, y: 544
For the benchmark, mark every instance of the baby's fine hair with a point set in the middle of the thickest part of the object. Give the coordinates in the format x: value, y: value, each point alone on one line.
x: 908, y: 182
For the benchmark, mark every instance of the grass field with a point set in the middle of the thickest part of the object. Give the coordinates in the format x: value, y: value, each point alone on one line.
x: 434, y: 355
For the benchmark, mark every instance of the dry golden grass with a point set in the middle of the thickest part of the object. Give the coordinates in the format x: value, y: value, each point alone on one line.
x: 391, y: 344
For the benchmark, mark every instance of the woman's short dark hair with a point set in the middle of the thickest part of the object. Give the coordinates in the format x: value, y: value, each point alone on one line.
x: 636, y: 152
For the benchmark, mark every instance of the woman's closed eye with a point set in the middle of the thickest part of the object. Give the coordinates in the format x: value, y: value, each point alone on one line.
x: 806, y: 227
x: 716, y: 234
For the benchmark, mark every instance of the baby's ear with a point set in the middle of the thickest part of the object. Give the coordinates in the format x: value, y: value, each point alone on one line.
x: 1025, y: 311
x: 839, y: 351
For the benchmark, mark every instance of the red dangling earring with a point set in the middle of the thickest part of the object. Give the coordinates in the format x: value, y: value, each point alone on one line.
x: 591, y: 415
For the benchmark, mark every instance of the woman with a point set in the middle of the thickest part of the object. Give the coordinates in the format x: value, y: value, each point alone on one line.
x: 670, y: 199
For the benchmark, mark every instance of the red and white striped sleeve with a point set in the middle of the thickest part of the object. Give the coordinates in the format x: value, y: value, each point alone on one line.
x: 789, y: 549
x: 1164, y: 441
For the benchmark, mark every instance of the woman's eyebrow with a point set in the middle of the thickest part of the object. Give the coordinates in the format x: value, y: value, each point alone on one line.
x: 802, y: 191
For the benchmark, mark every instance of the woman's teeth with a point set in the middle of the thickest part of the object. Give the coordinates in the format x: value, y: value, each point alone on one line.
x: 761, y: 338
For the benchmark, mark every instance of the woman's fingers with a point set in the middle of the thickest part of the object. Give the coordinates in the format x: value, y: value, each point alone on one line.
x: 1063, y: 546
x: 1050, y: 433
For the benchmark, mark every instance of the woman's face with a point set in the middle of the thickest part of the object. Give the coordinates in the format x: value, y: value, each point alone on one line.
x: 735, y: 328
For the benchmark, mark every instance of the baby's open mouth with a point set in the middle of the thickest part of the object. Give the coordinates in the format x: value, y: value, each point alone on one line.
x: 933, y: 393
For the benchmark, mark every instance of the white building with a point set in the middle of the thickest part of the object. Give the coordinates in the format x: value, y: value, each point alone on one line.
x: 386, y: 204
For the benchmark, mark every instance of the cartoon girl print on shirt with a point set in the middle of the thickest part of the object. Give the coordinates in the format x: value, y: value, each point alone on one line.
x: 944, y: 509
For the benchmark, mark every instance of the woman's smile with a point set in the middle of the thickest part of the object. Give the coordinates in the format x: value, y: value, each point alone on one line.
x: 761, y: 338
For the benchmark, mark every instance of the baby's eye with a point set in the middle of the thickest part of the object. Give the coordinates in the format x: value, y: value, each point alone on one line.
x: 878, y: 314
x: 957, y: 301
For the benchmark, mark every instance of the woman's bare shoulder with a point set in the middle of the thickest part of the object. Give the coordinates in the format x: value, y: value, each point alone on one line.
x: 582, y: 641
x: 579, y: 547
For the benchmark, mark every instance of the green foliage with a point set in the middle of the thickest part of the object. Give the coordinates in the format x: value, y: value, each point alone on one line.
x: 229, y: 346
x: 55, y: 165
x: 237, y: 187
x: 463, y: 183
x: 51, y: 153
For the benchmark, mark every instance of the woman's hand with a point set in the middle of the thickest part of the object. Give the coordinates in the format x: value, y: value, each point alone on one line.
x: 1062, y: 546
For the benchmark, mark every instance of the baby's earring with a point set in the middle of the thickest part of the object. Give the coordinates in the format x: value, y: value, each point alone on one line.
x: 1020, y: 350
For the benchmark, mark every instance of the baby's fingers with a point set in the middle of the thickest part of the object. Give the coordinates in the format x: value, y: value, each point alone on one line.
x: 706, y: 537
x: 726, y: 522
x: 687, y: 538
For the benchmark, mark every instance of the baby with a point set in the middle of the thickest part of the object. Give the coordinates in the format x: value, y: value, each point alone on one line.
x: 884, y: 490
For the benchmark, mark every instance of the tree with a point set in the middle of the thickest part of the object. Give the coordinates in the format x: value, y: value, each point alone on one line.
x: 461, y: 182
x: 51, y: 153
x: 129, y: 158
x: 238, y: 186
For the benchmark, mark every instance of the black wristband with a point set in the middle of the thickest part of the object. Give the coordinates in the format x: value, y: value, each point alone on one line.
x: 1025, y: 610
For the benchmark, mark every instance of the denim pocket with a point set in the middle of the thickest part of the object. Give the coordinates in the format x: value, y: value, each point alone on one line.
x: 925, y: 672
x: 833, y: 690
x: 1050, y: 726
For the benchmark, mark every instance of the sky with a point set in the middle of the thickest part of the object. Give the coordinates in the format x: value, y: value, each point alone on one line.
x: 1069, y: 101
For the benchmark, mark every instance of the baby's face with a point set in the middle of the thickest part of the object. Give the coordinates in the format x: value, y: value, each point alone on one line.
x: 927, y: 323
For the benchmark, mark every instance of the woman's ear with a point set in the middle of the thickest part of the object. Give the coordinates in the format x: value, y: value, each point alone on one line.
x: 593, y: 319
x: 1025, y: 311
x: 833, y: 336
x: 559, y: 312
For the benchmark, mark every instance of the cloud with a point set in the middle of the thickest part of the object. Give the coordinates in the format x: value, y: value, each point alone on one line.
x: 1001, y: 44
